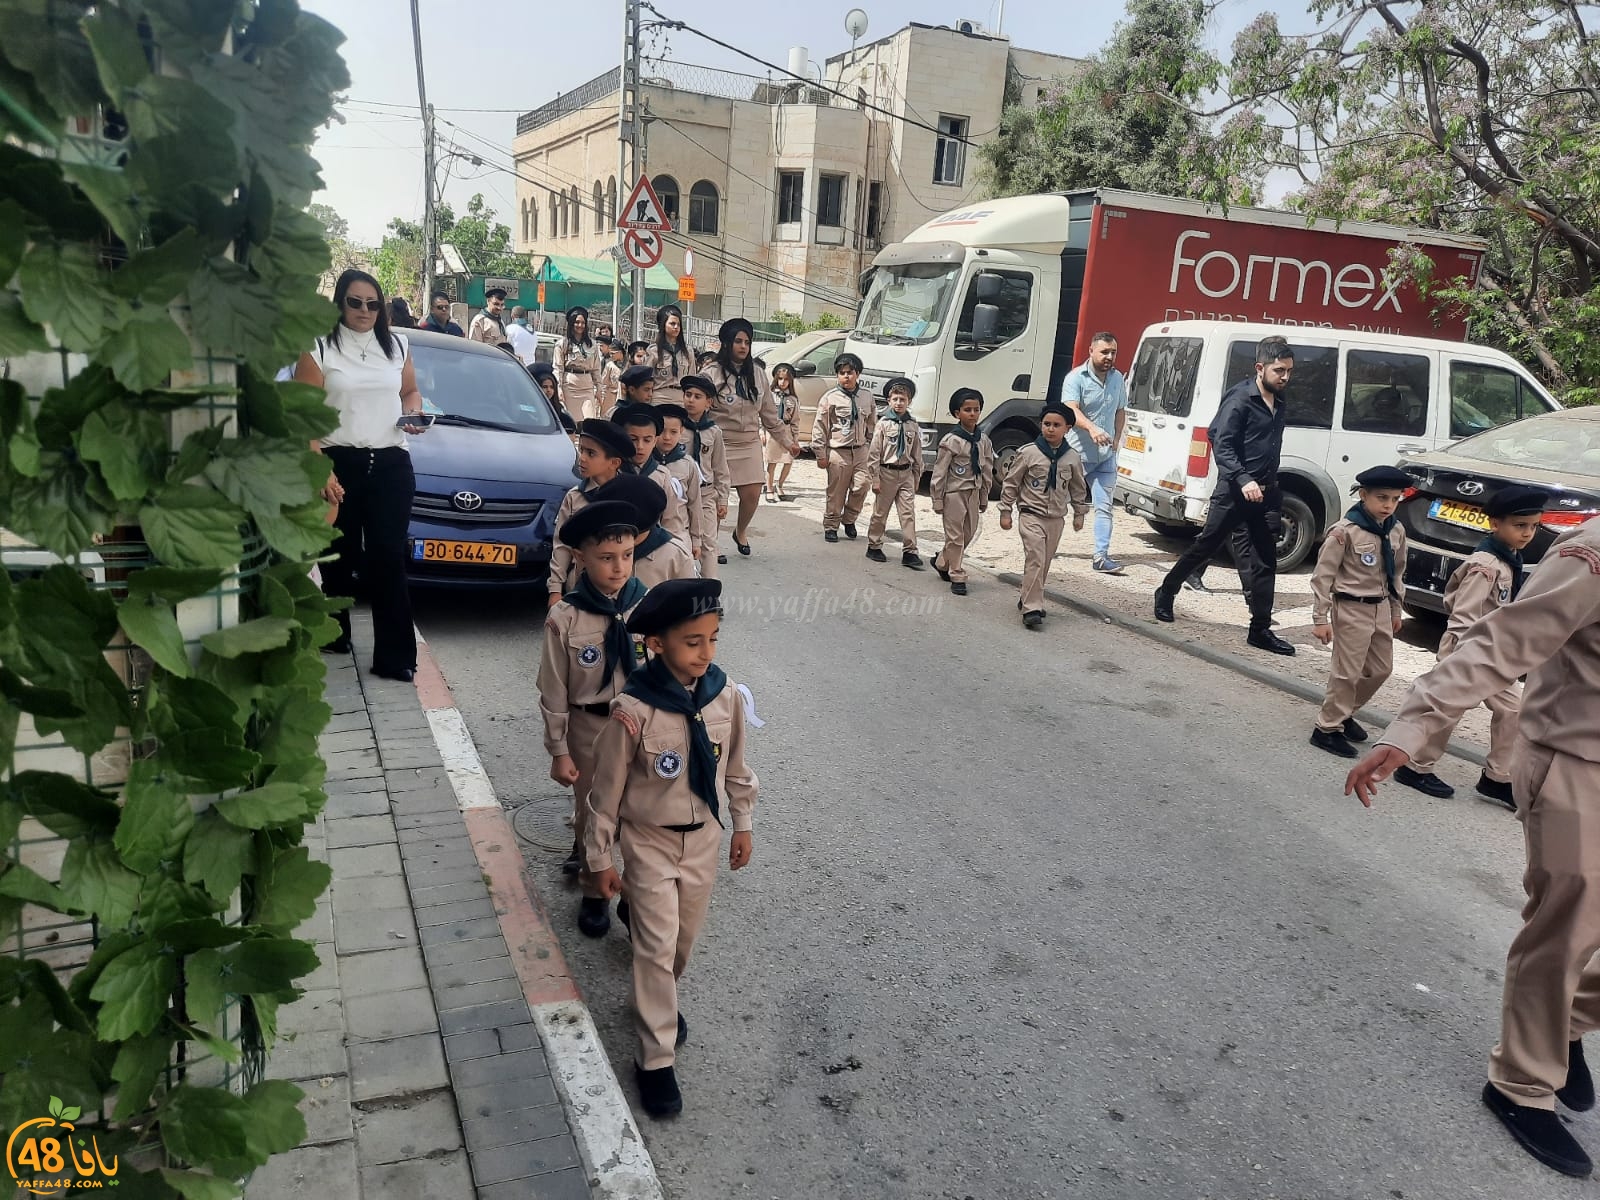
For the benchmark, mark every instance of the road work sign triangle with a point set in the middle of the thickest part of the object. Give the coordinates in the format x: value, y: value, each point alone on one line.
x: 643, y: 209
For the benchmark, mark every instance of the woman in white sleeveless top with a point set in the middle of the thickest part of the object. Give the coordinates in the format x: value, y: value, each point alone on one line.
x: 365, y: 367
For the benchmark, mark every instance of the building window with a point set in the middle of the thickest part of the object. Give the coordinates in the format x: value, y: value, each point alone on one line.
x: 830, y: 201
x: 1386, y: 393
x: 703, y: 207
x: 667, y: 192
x: 599, y: 208
x: 791, y: 197
x: 562, y: 232
x: 611, y: 202
x: 875, y: 209
x: 577, y: 213
x: 949, y: 151
x: 533, y: 218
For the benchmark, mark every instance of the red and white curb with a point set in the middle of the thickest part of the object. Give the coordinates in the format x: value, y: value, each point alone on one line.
x: 608, y: 1138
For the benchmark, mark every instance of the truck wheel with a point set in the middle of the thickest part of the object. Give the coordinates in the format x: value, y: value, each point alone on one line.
x: 1298, y: 534
x: 1006, y: 443
x: 1183, y: 532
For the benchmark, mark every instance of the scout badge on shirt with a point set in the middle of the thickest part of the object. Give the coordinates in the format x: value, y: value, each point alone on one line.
x: 669, y: 764
x: 1505, y: 595
x: 960, y: 468
x: 589, y: 656
x: 1370, y: 560
x: 1036, y: 484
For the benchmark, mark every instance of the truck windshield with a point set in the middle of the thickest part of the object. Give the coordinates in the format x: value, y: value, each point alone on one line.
x: 907, y: 305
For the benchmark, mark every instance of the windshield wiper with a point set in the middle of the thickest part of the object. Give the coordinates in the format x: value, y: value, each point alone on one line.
x: 473, y: 422
x: 898, y: 339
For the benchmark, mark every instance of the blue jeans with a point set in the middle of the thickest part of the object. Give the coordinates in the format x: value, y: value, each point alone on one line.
x: 1102, y: 480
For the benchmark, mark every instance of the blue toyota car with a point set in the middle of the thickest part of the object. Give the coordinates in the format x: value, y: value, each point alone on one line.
x: 491, y: 470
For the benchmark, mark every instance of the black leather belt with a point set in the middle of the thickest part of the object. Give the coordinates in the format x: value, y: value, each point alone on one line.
x: 897, y: 466
x: 595, y: 710
x: 1359, y: 599
x: 685, y: 828
x: 1034, y: 512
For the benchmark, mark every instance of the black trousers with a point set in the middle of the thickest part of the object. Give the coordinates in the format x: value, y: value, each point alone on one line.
x: 372, y: 524
x: 1254, y: 530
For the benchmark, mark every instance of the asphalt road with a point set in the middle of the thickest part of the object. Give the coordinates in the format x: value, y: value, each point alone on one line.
x: 1040, y: 915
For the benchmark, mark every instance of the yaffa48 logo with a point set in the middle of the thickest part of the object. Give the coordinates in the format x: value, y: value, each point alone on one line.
x: 47, y: 1154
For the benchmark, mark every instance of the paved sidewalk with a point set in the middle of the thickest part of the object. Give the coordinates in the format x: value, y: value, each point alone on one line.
x: 424, y: 1071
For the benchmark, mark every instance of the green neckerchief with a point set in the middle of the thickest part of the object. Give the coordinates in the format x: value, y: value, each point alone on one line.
x: 656, y: 685
x: 653, y: 541
x: 1055, y: 456
x: 1362, y: 519
x: 972, y: 439
x: 1512, y: 558
x: 590, y: 599
x: 899, y: 434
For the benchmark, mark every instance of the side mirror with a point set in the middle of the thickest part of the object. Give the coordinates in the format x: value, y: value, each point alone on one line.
x: 985, y: 324
x: 989, y: 285
x: 804, y: 369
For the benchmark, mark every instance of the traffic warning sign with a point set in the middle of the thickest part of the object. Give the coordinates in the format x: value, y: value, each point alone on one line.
x: 643, y: 209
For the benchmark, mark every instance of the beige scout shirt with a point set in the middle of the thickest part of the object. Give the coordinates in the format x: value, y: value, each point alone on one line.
x: 1480, y: 585
x: 832, y: 428
x: 1551, y: 634
x: 676, y: 519
x: 881, y: 452
x: 487, y: 330
x: 952, y: 467
x: 713, y: 461
x: 1024, y: 487
x: 1351, y: 563
x: 669, y: 370
x: 742, y: 420
x: 674, y: 560
x: 572, y: 669
x: 686, y: 472
x: 642, y: 771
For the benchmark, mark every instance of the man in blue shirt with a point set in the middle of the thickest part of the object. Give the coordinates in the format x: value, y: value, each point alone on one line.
x: 438, y: 320
x: 1098, y: 394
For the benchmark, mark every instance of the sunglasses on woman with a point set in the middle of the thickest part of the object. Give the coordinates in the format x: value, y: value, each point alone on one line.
x: 356, y: 304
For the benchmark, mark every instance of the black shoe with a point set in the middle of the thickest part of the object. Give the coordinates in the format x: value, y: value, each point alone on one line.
x: 1164, y: 611
x: 939, y: 567
x: 876, y: 554
x: 1501, y: 792
x: 574, y: 862
x: 1333, y: 743
x: 1578, y: 1093
x: 722, y: 560
x: 658, y: 1091
x: 830, y: 535
x: 1541, y: 1134
x: 1033, y: 620
x: 683, y: 1031
x: 403, y: 675
x: 849, y: 531
x: 911, y: 559
x: 623, y: 913
x: 1425, y: 782
x: 742, y: 547
x: 339, y: 645
x: 594, y: 916
x: 958, y: 589
x: 1265, y: 639
x: 1353, y: 730
x: 1197, y: 583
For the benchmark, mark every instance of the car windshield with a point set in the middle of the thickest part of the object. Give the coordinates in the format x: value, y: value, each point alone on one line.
x: 477, y: 390
x: 1559, y: 441
x: 907, y: 305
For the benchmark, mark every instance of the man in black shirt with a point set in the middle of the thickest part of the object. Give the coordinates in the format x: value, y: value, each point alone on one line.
x: 1247, y: 442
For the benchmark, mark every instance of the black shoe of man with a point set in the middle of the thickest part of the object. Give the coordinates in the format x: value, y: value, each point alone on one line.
x: 623, y: 913
x: 1578, y: 1092
x: 1265, y: 639
x: 1033, y: 620
x: 1498, y: 792
x: 958, y: 589
x: 1164, y: 611
x: 722, y: 559
x: 1197, y: 583
x: 939, y: 567
x: 850, y: 531
x: 683, y: 1031
x: 1334, y: 743
x: 594, y: 916
x: 1354, y: 730
x: 658, y: 1091
x: 831, y: 535
x: 1425, y: 782
x: 876, y: 554
x: 1541, y: 1133
x: 574, y: 862
x: 912, y: 559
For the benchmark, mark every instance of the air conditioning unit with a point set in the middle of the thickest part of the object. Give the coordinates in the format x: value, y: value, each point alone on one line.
x: 968, y: 25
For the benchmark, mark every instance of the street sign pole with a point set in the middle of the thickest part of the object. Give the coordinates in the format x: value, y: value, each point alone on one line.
x: 688, y: 312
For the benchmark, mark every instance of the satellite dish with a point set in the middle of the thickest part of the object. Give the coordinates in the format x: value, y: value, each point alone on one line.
x: 855, y: 23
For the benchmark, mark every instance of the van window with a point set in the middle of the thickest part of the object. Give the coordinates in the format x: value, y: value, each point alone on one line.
x: 1014, y: 302
x: 1311, y: 390
x: 1163, y: 375
x: 1482, y: 397
x: 1386, y: 393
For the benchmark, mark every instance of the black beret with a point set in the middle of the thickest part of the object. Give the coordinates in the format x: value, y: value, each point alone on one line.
x: 674, y: 602
x: 1061, y: 410
x: 900, y: 381
x: 699, y: 382
x: 638, y: 373
x: 595, y: 518
x: 643, y: 494
x: 493, y: 292
x: 1517, y: 501
x: 612, y: 438
x: 637, y: 414
x: 961, y: 396
x: 731, y: 329
x: 1384, y: 477
x: 672, y: 410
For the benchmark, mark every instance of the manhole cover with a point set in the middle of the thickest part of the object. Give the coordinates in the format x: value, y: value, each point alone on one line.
x: 543, y: 823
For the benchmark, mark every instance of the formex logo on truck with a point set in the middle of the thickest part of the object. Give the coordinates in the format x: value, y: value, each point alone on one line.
x: 1219, y: 275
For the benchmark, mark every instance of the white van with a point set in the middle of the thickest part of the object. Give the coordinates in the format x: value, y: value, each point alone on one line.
x: 1356, y: 400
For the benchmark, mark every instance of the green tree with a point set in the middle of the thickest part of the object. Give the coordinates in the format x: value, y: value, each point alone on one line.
x: 1449, y: 115
x: 1127, y: 120
x: 484, y: 245
x: 342, y: 250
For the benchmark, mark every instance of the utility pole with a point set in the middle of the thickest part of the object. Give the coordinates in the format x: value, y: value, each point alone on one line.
x: 427, y: 163
x: 628, y: 134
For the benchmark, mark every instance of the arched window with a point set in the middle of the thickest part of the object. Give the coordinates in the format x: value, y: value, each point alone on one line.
x: 524, y: 209
x: 667, y: 192
x: 533, y: 218
x: 599, y: 208
x: 577, y: 212
x: 611, y: 202
x: 565, y: 217
x: 703, y: 207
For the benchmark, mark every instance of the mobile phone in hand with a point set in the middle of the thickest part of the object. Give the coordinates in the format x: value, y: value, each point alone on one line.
x: 415, y: 420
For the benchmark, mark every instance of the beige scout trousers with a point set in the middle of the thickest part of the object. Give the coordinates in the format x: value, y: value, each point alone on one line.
x: 1040, y: 538
x: 710, y: 531
x: 961, y: 519
x: 582, y: 730
x: 1552, y: 990
x: 847, y: 486
x: 1504, y: 709
x: 668, y: 887
x: 1363, y: 657
x: 899, y: 488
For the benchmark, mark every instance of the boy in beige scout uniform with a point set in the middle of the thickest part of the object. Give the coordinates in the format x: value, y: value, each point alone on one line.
x: 657, y: 555
x: 643, y: 425
x: 839, y: 436
x: 588, y: 655
x: 707, y: 449
x: 603, y: 449
x: 672, y: 448
x: 894, y: 468
x: 963, y: 474
x: 668, y: 759
x: 1043, y: 476
x: 1551, y: 634
x: 1491, y: 576
x: 1355, y: 605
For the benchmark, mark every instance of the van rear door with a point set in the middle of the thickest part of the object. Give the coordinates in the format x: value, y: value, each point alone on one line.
x: 1154, y: 458
x: 1385, y: 411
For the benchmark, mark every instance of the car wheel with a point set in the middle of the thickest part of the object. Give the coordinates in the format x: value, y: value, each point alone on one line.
x: 1183, y: 532
x: 1006, y: 443
x: 1298, y: 534
x: 1423, y: 616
